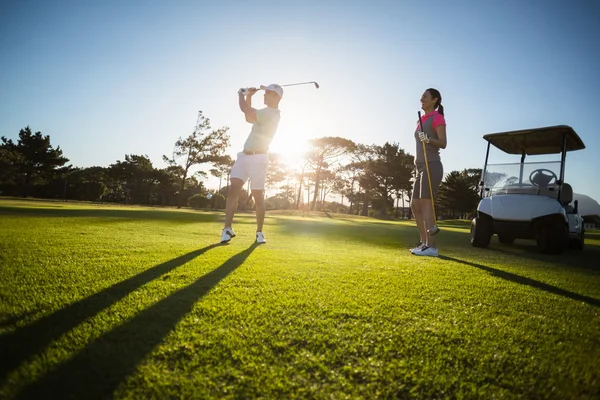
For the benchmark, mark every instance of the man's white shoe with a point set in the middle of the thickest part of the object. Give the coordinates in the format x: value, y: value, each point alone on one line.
x: 226, y: 235
x: 427, y: 251
x: 260, y: 238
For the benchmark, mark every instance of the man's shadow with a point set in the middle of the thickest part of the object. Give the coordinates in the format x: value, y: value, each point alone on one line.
x: 528, y: 281
x: 20, y: 345
x: 97, y: 370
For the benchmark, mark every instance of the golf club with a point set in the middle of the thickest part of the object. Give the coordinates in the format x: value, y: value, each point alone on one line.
x: 244, y: 91
x: 302, y: 83
x: 434, y: 229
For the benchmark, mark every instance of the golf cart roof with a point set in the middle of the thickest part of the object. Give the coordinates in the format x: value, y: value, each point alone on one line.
x: 547, y: 140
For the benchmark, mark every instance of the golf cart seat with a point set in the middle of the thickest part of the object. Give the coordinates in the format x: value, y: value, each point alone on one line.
x: 566, y: 194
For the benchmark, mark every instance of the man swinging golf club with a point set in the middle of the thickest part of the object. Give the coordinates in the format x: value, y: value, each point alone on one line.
x: 430, y: 136
x: 252, y: 162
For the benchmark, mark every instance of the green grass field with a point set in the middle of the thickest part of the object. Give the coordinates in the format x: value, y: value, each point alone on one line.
x: 133, y: 302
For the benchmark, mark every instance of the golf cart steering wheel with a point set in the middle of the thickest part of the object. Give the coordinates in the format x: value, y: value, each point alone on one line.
x: 538, y: 178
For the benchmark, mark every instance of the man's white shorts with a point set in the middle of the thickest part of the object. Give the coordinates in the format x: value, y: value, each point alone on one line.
x: 253, y: 167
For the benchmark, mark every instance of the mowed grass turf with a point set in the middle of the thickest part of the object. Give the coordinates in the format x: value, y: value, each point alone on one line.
x: 133, y: 302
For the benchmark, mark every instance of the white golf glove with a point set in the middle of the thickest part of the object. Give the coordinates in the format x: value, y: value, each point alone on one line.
x: 424, y: 138
x: 247, y: 91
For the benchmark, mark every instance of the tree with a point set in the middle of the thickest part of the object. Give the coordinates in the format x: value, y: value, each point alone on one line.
x: 387, y: 169
x: 301, y: 177
x: 328, y: 179
x: 222, y: 167
x: 9, y: 161
x: 94, y: 183
x: 458, y: 193
x: 167, y: 184
x: 325, y: 152
x: 32, y: 159
x: 491, y: 178
x: 395, y: 169
x: 277, y: 171
x: 198, y: 148
x: 351, y: 174
x: 339, y: 184
x: 88, y: 184
x: 135, y: 177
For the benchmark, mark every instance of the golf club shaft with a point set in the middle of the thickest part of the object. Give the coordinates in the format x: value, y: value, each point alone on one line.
x: 428, y: 175
x: 301, y: 83
x: 290, y: 84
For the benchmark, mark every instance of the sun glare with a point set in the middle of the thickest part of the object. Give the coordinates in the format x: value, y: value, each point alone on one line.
x: 292, y: 145
x: 302, y: 119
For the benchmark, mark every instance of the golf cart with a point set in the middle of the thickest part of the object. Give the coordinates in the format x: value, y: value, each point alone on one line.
x: 529, y: 200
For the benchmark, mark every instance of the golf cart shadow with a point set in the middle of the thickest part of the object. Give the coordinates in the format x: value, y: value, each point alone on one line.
x: 583, y: 259
x: 530, y: 200
x: 527, y: 281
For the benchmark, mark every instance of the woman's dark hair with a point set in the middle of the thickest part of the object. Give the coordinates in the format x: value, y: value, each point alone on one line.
x: 436, y: 95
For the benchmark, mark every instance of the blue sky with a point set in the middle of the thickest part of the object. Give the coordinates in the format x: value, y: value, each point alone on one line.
x: 109, y: 78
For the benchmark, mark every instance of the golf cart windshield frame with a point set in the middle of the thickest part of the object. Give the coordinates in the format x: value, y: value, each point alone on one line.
x: 557, y: 139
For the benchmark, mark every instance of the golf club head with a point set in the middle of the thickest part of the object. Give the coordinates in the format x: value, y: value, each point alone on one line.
x: 316, y: 85
x: 434, y: 230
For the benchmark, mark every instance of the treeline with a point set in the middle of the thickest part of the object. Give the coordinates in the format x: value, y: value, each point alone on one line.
x: 373, y: 180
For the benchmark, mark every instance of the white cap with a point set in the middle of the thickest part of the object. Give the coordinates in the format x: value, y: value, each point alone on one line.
x: 274, y: 88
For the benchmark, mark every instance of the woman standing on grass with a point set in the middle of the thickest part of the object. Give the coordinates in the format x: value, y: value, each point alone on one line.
x: 432, y: 139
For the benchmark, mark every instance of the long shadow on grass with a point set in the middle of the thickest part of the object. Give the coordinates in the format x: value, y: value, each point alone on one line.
x: 96, y: 371
x: 101, y: 212
x: 19, y: 345
x: 529, y: 282
x: 12, y: 320
x: 585, y: 259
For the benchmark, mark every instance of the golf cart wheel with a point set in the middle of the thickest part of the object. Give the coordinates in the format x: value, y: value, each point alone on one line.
x: 552, y: 237
x: 481, y: 232
x: 506, y: 239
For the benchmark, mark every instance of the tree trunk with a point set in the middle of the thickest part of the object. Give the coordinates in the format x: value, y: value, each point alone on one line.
x: 65, y: 190
x: 181, y: 188
x: 365, y: 207
x: 300, y: 189
x: 383, y: 208
x: 314, y: 200
x: 25, y: 189
x: 403, y: 205
x: 300, y: 181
